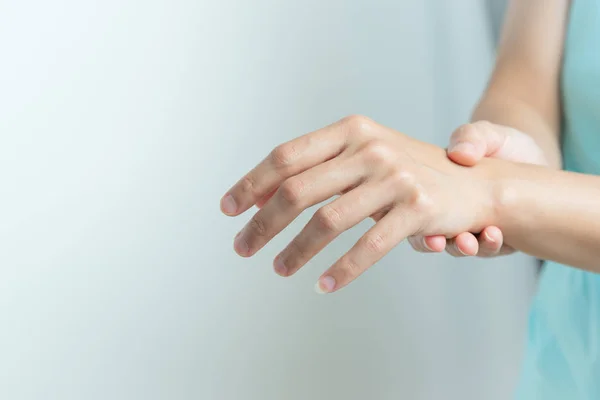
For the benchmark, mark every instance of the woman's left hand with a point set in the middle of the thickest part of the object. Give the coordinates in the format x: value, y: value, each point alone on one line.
x: 408, y: 187
x: 470, y: 144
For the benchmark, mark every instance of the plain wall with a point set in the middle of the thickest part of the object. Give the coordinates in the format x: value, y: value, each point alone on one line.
x: 122, y: 123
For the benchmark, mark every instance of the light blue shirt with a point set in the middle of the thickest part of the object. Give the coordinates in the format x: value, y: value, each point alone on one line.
x: 562, y: 359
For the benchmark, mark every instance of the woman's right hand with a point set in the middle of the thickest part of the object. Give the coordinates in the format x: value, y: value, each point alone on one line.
x: 468, y: 145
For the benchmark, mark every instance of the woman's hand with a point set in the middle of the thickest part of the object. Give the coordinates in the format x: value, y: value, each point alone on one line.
x: 468, y: 145
x: 409, y: 187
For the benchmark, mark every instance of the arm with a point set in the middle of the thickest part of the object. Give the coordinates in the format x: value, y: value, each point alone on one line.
x: 522, y: 103
x: 524, y: 89
x: 409, y: 188
x: 553, y: 215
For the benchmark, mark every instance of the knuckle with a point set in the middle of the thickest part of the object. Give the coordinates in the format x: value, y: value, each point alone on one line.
x: 248, y: 184
x: 284, y: 154
x: 378, y: 152
x: 421, y: 202
x: 296, y: 253
x: 414, y: 194
x: 328, y: 219
x: 375, y: 243
x: 467, y: 132
x: 291, y: 191
x: 404, y: 178
x: 257, y: 226
x: 358, y: 124
x: 417, y: 199
x: 351, y: 267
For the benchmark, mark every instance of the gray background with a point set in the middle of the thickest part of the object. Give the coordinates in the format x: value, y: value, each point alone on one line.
x: 122, y: 123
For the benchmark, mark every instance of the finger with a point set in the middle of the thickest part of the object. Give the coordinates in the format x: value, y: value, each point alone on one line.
x: 286, y: 160
x: 490, y: 242
x: 436, y: 243
x: 371, y: 247
x: 467, y: 244
x: 471, y: 142
x: 261, y: 203
x: 292, y: 197
x: 428, y: 244
x: 329, y: 222
x: 463, y: 245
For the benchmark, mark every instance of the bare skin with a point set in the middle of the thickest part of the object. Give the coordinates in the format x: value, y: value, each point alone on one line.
x: 410, y: 188
x: 483, y: 139
x: 397, y: 180
x: 523, y: 100
x: 415, y: 190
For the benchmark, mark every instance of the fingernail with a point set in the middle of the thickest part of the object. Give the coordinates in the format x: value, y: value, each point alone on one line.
x: 459, y: 250
x: 462, y: 147
x: 280, y: 267
x: 325, y: 285
x: 240, y: 245
x: 426, y: 246
x: 488, y: 237
x: 228, y: 204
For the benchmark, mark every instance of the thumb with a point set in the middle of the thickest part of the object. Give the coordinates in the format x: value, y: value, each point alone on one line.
x: 472, y: 142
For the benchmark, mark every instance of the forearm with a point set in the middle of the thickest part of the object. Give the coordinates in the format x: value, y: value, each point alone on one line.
x: 553, y: 215
x: 524, y: 89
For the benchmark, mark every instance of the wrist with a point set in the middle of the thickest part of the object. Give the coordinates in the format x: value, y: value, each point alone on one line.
x: 505, y: 194
x: 506, y: 200
x: 515, y: 193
